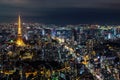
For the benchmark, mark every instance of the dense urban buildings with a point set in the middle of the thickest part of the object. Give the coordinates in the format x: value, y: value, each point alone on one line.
x: 33, y: 51
x: 60, y: 40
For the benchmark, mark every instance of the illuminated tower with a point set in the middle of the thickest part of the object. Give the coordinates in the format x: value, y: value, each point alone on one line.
x: 19, y: 41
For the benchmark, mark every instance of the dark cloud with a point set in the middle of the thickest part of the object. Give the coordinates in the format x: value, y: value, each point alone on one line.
x: 61, y: 3
x: 62, y: 10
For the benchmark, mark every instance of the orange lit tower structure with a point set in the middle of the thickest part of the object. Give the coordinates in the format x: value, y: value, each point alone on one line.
x: 19, y: 40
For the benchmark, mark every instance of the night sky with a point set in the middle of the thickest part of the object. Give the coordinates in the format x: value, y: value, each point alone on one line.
x: 61, y: 11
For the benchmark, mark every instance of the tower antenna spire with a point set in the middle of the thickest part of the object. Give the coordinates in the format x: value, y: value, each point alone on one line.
x: 19, y: 41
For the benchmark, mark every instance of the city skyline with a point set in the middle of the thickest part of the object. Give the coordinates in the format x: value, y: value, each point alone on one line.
x: 61, y: 12
x: 38, y: 51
